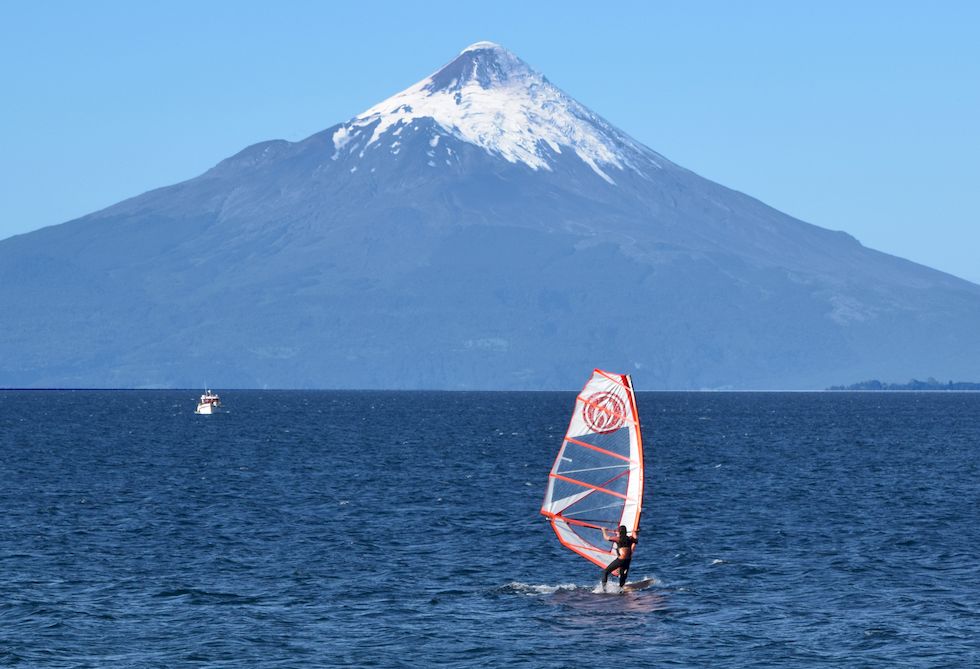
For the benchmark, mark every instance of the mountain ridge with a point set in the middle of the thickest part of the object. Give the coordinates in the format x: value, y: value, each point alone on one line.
x: 347, y: 260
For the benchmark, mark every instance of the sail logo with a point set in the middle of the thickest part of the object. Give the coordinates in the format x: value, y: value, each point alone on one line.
x: 604, y: 412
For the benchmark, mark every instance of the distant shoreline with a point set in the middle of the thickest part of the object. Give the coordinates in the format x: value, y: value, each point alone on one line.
x: 913, y: 385
x: 866, y: 386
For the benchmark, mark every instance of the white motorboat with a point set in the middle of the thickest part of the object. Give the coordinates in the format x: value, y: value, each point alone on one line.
x: 208, y: 403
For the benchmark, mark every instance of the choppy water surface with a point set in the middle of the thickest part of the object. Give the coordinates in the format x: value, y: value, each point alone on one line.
x: 401, y: 529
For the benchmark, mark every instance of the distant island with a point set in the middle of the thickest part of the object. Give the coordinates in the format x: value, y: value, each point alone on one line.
x: 914, y: 384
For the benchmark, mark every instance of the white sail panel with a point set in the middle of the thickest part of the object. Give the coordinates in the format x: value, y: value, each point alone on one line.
x: 596, y: 481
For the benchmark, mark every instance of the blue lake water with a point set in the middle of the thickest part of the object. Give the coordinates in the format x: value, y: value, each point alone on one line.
x: 304, y: 529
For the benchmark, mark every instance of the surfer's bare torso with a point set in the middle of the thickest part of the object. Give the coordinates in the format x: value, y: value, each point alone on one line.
x: 622, y: 544
x: 625, y: 550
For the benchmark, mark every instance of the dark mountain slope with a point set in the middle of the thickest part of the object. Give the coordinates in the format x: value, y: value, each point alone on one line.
x: 478, y: 230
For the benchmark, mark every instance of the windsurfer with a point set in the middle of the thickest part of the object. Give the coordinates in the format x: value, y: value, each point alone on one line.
x: 624, y: 544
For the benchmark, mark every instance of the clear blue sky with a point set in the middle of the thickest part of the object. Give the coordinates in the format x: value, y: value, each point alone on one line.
x: 856, y: 116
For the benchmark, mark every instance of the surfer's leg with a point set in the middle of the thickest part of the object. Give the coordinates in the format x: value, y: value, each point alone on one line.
x: 623, y: 571
x: 610, y: 569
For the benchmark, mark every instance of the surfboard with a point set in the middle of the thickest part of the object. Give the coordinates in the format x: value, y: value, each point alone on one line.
x: 638, y: 585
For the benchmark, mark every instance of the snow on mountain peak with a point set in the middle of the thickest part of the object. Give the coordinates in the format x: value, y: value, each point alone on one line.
x: 489, y: 97
x: 476, y: 46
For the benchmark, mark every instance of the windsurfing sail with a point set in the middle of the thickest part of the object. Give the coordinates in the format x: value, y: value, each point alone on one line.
x: 596, y: 482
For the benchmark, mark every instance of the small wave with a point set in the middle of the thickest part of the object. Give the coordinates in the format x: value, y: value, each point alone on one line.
x: 718, y: 561
x: 614, y: 589
x: 529, y: 589
x: 197, y: 596
x: 596, y: 589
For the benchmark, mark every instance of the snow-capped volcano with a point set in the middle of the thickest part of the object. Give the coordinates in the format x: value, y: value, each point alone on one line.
x: 480, y: 229
x: 489, y: 97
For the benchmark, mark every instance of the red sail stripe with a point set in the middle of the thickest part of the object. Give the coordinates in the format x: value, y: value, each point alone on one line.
x: 612, y: 378
x: 589, y: 485
x: 596, y: 448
